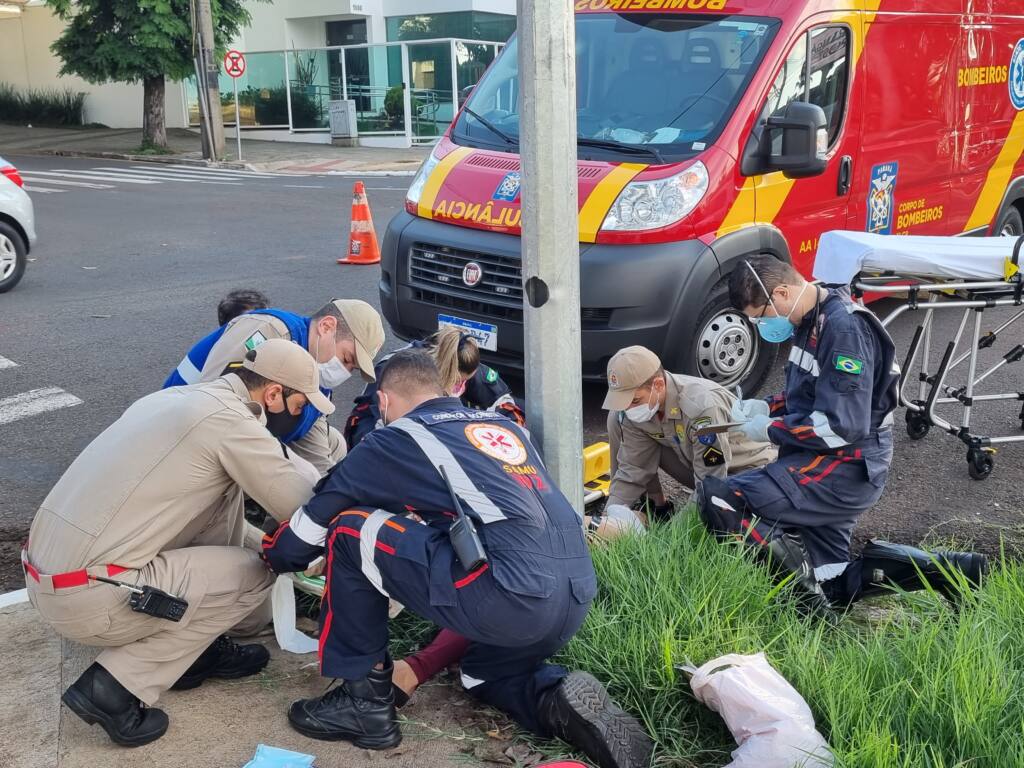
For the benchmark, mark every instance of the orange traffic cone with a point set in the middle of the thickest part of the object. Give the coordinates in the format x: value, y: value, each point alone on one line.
x: 362, y: 244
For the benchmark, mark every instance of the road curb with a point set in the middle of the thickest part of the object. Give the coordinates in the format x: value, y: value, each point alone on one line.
x: 404, y: 174
x: 164, y: 159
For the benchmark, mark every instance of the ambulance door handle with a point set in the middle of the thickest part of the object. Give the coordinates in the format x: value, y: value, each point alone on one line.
x: 845, y: 174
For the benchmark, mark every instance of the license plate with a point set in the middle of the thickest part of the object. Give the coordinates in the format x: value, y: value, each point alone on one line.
x: 486, y: 335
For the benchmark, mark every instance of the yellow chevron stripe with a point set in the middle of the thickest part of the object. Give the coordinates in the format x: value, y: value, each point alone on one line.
x: 998, y: 177
x: 596, y: 206
x: 436, y: 180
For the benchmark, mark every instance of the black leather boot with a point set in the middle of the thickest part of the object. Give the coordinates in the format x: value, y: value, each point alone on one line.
x: 226, y: 660
x: 579, y: 712
x: 883, y: 564
x: 786, y: 554
x: 360, y: 711
x: 97, y: 697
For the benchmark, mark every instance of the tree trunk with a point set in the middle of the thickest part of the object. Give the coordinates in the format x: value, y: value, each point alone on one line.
x: 154, y: 126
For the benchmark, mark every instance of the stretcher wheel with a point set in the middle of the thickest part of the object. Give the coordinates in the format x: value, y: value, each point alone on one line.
x: 917, y: 425
x: 979, y: 464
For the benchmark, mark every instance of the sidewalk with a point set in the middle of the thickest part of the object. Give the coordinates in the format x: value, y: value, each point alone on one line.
x: 257, y: 155
x: 219, y: 724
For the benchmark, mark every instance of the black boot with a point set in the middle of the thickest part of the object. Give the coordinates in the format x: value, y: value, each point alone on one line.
x: 883, y: 564
x: 97, y: 697
x: 786, y: 554
x: 580, y: 713
x: 360, y: 711
x: 224, y: 659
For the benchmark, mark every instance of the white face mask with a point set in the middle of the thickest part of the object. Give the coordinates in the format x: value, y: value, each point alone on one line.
x: 643, y: 412
x: 333, y: 373
x: 383, y: 403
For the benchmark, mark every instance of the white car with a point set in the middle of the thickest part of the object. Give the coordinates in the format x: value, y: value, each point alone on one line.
x: 17, y: 226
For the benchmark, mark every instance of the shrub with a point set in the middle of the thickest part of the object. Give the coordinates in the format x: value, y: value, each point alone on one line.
x: 47, y: 107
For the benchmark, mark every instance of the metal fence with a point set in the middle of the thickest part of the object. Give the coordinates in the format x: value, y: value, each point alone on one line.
x: 409, y: 90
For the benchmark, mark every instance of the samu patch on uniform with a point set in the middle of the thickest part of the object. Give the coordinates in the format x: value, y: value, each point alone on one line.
x: 849, y: 364
x: 492, y: 376
x: 255, y: 340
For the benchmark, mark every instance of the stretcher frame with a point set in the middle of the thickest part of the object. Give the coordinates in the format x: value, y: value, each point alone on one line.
x: 924, y: 293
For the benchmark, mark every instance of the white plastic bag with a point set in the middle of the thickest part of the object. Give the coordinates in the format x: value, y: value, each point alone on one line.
x: 288, y: 636
x: 770, y: 721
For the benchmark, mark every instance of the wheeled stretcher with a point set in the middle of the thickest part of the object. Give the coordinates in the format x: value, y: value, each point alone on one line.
x: 930, y: 274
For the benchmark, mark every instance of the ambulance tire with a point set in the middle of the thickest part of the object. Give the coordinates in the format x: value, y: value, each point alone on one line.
x: 1010, y: 223
x: 725, y: 348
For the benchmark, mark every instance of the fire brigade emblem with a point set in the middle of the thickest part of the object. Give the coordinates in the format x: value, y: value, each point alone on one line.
x: 880, y: 198
x: 497, y: 442
x: 508, y: 189
x: 1016, y: 77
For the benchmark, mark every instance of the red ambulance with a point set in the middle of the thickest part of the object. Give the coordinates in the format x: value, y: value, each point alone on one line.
x: 709, y: 130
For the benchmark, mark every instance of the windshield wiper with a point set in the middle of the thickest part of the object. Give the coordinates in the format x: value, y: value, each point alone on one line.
x: 621, y: 147
x: 491, y: 127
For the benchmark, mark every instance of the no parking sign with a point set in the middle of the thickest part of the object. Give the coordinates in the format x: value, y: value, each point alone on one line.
x: 234, y: 65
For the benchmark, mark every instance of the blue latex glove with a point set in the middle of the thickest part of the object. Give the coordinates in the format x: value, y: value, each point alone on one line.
x: 745, y: 410
x: 756, y: 427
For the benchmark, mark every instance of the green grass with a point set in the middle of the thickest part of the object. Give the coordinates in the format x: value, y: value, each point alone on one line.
x: 915, y: 684
x: 43, y: 107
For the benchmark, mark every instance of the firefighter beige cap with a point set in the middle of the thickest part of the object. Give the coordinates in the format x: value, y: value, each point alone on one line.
x: 288, y: 364
x: 628, y: 369
x: 367, y: 330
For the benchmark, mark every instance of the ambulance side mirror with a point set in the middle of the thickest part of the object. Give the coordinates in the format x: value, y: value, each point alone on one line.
x: 794, y: 142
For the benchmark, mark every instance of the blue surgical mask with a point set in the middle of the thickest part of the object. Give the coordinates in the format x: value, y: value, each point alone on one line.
x: 779, y: 328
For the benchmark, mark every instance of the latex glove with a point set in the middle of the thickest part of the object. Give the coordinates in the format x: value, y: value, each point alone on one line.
x: 756, y: 427
x: 745, y: 410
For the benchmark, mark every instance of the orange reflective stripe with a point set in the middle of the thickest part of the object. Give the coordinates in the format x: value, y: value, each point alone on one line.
x: 813, y: 464
x: 365, y: 515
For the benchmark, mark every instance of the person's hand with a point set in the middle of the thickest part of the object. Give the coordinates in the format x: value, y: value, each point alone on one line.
x: 745, y: 410
x: 756, y: 427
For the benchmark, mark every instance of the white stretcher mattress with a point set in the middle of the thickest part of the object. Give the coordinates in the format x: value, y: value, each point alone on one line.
x: 841, y: 255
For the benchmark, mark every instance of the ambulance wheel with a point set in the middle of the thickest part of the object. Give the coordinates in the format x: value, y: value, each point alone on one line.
x: 1010, y: 223
x: 726, y: 349
x: 917, y: 425
x: 979, y: 464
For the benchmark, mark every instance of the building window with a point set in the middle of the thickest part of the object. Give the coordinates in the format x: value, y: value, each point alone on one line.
x: 472, y: 25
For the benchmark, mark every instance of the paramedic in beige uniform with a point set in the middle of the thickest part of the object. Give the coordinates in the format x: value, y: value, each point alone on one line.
x: 652, y: 422
x: 156, y: 500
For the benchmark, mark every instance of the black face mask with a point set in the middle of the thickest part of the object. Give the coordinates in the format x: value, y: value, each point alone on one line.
x: 282, y: 424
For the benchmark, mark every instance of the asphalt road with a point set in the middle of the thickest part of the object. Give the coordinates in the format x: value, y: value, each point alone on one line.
x: 127, y: 275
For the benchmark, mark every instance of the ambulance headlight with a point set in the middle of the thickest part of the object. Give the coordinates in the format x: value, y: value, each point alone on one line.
x: 412, y: 197
x: 654, y: 204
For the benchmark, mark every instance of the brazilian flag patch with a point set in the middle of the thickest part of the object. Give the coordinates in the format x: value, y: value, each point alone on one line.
x: 849, y: 364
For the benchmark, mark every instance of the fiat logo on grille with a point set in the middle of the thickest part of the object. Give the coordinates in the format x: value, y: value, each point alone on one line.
x: 472, y: 274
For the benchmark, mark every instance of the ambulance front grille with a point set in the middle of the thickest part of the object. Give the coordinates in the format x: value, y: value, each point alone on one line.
x: 442, y: 269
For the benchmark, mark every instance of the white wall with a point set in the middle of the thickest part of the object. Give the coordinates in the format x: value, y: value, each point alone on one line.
x: 26, y: 62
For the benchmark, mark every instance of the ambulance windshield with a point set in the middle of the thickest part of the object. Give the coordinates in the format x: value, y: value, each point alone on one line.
x: 662, y: 85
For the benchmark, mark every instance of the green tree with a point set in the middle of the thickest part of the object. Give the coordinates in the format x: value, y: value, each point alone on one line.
x: 131, y: 40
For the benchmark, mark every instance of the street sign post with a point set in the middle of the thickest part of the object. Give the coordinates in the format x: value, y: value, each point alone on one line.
x: 234, y: 65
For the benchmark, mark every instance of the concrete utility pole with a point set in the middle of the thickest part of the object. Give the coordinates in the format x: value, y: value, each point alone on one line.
x: 550, y: 241
x: 208, y: 87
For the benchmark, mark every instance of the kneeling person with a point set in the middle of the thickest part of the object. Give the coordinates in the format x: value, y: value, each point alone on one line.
x: 521, y: 606
x: 156, y: 501
x: 653, y: 419
x: 833, y: 426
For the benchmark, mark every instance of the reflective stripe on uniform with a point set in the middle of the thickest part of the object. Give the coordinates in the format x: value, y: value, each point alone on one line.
x: 829, y: 571
x: 368, y: 545
x: 437, y: 453
x: 188, y: 371
x: 303, y: 526
x: 824, y: 430
x: 804, y: 360
x: 470, y: 682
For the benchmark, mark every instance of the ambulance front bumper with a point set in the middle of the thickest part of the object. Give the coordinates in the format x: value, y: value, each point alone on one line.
x: 629, y: 294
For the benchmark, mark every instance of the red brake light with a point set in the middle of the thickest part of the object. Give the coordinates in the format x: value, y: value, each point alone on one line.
x: 12, y: 173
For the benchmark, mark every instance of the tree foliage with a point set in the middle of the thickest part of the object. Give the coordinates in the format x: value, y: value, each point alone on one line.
x: 132, y: 40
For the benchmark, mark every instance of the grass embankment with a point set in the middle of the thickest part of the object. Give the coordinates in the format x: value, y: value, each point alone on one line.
x: 918, y: 685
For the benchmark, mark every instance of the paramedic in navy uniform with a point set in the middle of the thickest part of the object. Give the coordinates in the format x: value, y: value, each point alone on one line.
x: 833, y: 426
x: 517, y: 609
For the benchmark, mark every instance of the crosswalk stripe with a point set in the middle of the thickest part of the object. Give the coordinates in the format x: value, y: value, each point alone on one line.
x: 68, y: 174
x: 66, y: 183
x: 220, y: 171
x: 5, y: 363
x: 145, y: 173
x: 43, y: 190
x: 161, y: 177
x: 35, y: 402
